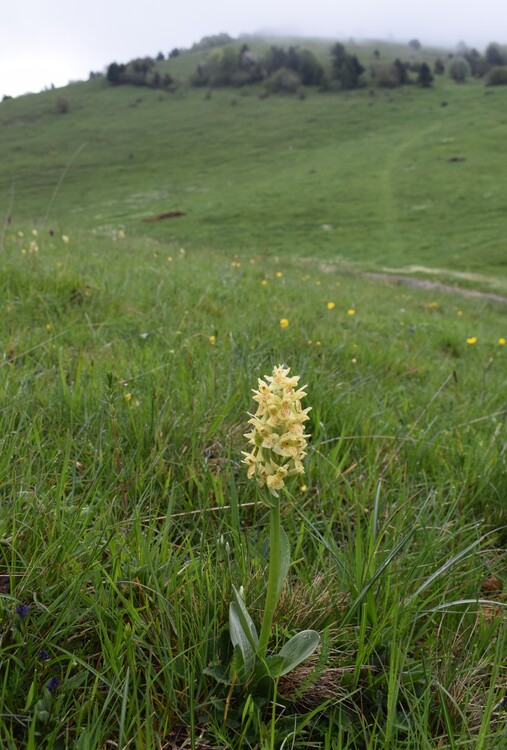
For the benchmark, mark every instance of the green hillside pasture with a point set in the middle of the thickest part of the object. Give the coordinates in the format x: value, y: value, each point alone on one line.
x: 126, y: 374
x: 381, y: 179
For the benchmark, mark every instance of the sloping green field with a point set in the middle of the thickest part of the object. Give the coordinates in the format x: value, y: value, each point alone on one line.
x: 368, y: 178
x: 128, y: 354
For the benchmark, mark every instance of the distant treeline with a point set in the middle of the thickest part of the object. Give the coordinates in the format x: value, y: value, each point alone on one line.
x: 229, y: 63
x: 139, y: 72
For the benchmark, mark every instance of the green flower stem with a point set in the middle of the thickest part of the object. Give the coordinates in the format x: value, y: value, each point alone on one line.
x: 273, y: 577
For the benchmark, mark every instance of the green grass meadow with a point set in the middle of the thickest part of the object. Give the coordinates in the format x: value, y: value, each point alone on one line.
x: 129, y: 351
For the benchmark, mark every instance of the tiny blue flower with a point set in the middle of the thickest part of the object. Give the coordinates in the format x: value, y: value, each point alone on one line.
x: 43, y: 655
x: 53, y: 684
x: 22, y: 610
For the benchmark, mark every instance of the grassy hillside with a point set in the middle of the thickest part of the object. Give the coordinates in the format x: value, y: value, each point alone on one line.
x: 367, y: 178
x: 129, y: 351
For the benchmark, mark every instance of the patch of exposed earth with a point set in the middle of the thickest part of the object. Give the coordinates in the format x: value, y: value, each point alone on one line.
x: 402, y: 276
x: 437, y: 286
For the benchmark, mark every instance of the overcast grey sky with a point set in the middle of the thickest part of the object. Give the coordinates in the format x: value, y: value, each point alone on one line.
x: 54, y: 41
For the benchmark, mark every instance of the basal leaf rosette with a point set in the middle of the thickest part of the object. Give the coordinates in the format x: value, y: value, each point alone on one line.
x: 277, y: 440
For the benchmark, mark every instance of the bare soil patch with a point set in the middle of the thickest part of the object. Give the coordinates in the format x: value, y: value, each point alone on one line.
x: 437, y: 286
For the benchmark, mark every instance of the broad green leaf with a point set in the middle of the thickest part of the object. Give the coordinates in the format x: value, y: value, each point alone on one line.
x: 238, y: 667
x: 219, y: 673
x: 246, y: 621
x: 274, y: 664
x: 284, y: 560
x: 297, y: 649
x: 238, y: 635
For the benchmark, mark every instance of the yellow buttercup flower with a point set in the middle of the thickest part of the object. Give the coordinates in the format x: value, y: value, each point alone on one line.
x: 331, y: 305
x: 264, y: 282
x: 351, y: 311
x: 278, y: 274
x: 213, y: 340
x: 277, y: 441
x: 65, y: 238
x: 472, y: 340
x: 501, y: 342
x: 284, y: 323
